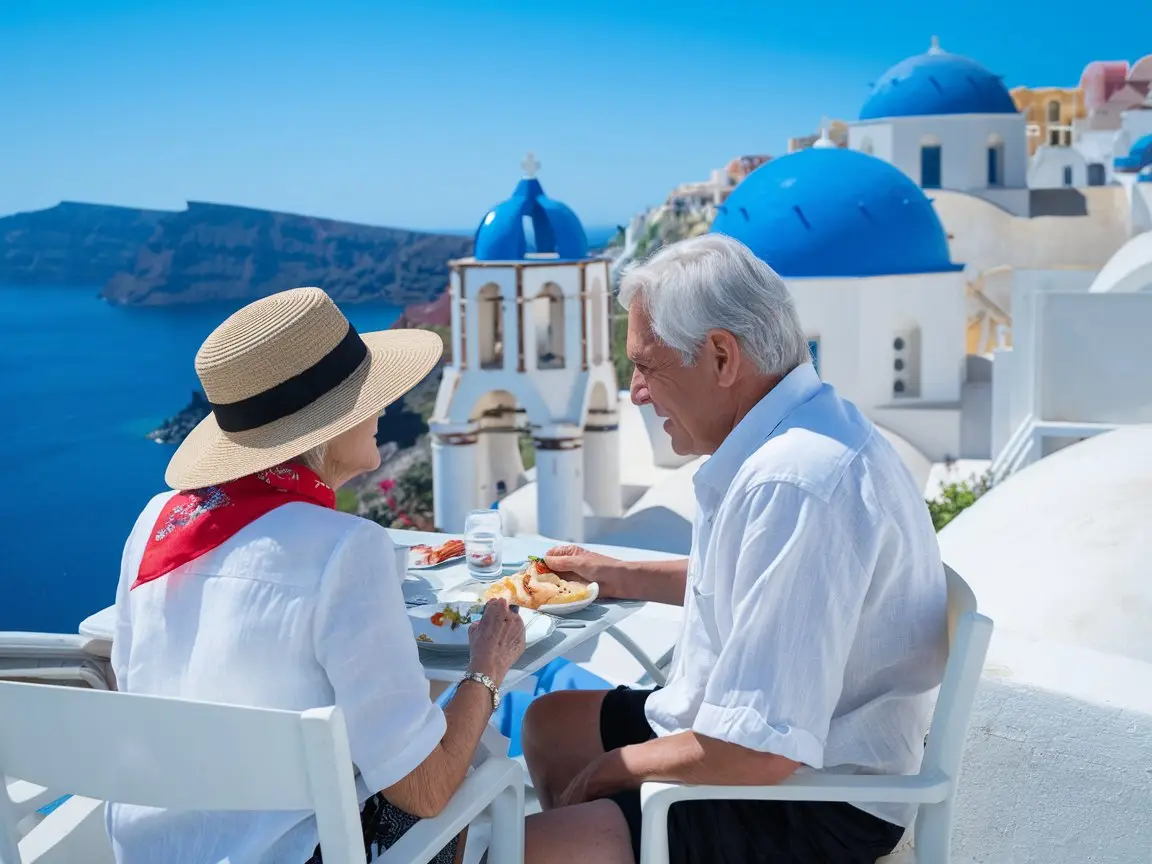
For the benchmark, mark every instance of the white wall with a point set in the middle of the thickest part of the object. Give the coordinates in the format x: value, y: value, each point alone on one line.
x: 1141, y: 207
x: 1027, y: 286
x: 856, y: 322
x: 984, y: 236
x: 1046, y: 170
x: 1002, y: 416
x: 872, y: 138
x: 1094, y: 362
x: 1096, y: 145
x: 1134, y: 125
x: 1056, y: 765
x: 934, y: 431
x: 963, y: 139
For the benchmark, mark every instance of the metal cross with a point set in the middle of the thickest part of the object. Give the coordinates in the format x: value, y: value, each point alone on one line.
x: 530, y: 165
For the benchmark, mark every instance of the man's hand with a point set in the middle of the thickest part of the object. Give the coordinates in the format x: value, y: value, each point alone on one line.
x: 658, y: 581
x: 579, y: 565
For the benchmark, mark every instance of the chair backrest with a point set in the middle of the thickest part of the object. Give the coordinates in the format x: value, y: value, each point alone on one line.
x: 179, y: 754
x: 969, y: 633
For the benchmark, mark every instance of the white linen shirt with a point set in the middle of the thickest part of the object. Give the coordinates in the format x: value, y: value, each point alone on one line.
x: 814, y: 617
x: 300, y: 609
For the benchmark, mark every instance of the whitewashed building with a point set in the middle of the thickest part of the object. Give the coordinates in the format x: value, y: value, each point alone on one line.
x: 948, y: 123
x: 529, y: 352
x: 866, y: 258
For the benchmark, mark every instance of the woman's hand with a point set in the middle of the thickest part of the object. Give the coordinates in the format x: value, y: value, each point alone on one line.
x: 496, y: 641
x: 577, y: 564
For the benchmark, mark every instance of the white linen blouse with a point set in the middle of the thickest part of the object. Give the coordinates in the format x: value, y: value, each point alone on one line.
x: 300, y: 609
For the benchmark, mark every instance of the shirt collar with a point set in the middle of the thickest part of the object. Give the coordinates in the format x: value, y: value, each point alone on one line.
x: 756, y: 427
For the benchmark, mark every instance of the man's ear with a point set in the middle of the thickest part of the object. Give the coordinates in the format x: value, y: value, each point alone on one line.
x: 724, y: 354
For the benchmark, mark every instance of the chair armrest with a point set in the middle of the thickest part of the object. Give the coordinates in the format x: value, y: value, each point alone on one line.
x: 73, y: 832
x: 656, y: 798
x: 28, y: 797
x: 854, y: 788
x: 652, y: 669
x: 497, y: 784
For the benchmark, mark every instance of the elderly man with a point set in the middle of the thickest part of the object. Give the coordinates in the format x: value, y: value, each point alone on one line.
x: 814, y: 598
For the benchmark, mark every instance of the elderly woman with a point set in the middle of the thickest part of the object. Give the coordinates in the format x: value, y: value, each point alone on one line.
x: 249, y: 587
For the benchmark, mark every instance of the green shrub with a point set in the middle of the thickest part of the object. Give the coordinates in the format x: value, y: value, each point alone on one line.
x: 954, y: 498
x: 347, y: 501
x: 619, y: 347
x: 527, y: 451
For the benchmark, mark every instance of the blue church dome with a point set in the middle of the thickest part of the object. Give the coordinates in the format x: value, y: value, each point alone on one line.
x: 1139, y: 156
x: 835, y: 213
x: 937, y: 83
x: 530, y: 223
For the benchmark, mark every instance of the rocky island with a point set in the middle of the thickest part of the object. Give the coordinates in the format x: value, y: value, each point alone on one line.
x: 215, y: 252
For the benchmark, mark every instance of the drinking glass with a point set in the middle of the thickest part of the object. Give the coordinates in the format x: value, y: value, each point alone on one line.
x: 484, y: 545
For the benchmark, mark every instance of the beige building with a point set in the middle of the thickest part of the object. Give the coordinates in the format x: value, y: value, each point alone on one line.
x: 1050, y: 112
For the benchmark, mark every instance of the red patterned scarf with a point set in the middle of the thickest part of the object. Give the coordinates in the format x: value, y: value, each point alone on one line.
x: 196, y: 522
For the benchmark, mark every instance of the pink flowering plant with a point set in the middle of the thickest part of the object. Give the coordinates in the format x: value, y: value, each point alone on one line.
x: 404, y: 501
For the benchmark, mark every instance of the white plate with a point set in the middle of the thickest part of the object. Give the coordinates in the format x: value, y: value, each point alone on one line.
x: 569, y: 608
x: 414, y: 557
x: 476, y: 593
x: 445, y: 638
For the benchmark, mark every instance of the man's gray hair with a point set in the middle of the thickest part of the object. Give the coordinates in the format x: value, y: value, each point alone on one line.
x: 713, y: 282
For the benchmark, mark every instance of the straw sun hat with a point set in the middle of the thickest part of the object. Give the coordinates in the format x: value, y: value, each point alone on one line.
x: 286, y: 374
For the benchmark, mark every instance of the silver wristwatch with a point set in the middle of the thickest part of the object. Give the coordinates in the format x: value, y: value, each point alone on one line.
x: 481, y: 678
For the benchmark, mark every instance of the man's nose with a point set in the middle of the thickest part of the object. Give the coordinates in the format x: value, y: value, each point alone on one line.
x: 639, y: 389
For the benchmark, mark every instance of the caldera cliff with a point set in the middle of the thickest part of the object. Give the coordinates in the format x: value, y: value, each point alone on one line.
x: 218, y: 252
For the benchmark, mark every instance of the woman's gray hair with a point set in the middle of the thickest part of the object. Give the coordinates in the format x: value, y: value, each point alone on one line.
x: 713, y: 282
x: 314, y: 458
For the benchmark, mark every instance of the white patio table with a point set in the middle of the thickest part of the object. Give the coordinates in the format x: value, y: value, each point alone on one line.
x: 452, y: 580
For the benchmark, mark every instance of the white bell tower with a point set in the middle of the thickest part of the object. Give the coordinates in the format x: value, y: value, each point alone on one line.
x: 530, y: 352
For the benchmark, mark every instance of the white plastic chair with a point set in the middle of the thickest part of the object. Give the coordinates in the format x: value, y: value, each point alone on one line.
x: 185, y: 755
x: 53, y: 658
x: 933, y: 789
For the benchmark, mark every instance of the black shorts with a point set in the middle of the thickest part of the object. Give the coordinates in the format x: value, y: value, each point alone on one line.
x: 735, y: 832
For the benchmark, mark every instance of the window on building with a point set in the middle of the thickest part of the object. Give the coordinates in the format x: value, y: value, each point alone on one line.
x: 1096, y: 174
x: 1067, y: 175
x: 597, y: 306
x: 906, y: 363
x: 548, y: 322
x: 995, y: 161
x: 1054, y: 111
x: 931, y: 170
x: 490, y: 320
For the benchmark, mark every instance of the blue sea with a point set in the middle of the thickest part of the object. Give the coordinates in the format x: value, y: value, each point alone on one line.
x: 81, y: 383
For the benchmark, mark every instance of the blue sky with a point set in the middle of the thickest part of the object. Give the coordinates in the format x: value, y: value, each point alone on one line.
x: 419, y: 113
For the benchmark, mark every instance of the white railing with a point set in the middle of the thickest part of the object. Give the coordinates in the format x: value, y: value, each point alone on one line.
x: 1015, y: 453
x: 1026, y: 444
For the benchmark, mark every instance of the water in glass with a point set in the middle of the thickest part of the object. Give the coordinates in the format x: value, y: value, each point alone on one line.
x: 484, y: 545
